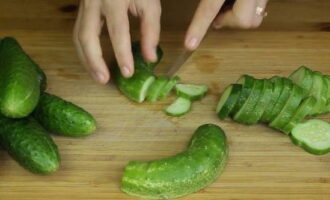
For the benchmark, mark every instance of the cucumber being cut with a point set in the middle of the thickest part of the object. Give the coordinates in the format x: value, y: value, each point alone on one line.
x: 168, y: 87
x: 190, y: 91
x: 155, y: 88
x: 303, y: 110
x: 248, y: 84
x: 319, y: 91
x: 303, y: 77
x: 313, y: 136
x: 179, y: 107
x: 228, y: 100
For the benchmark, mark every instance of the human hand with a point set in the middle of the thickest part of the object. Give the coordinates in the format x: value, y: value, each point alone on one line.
x: 91, y: 17
x: 244, y: 14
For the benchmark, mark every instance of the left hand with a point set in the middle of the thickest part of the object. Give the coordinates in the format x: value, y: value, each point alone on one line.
x: 244, y: 14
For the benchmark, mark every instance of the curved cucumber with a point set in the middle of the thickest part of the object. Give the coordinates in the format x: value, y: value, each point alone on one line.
x: 187, y: 172
x: 303, y: 110
x: 164, y: 91
x: 228, y: 100
x: 19, y: 81
x: 179, y: 107
x: 190, y: 91
x: 289, y: 109
x: 156, y: 87
x: 313, y: 136
x: 303, y: 77
x: 62, y: 117
x: 29, y: 144
x: 275, y: 94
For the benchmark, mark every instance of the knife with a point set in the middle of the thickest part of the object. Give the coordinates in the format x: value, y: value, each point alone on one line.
x: 180, y: 60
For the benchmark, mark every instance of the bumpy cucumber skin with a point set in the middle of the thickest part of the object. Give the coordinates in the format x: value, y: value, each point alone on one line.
x: 62, y: 117
x: 19, y: 82
x: 231, y: 101
x: 156, y: 87
x: 182, y: 174
x: 29, y: 144
x: 245, y: 93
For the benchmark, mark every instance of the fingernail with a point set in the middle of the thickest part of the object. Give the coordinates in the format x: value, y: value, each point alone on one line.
x: 192, y: 43
x: 98, y: 76
x: 153, y: 55
x: 126, y: 71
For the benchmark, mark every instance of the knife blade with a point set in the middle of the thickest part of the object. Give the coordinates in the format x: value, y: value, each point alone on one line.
x: 179, y: 61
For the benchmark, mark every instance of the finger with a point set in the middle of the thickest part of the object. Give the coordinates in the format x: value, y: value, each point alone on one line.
x: 261, y: 4
x: 204, y: 15
x: 150, y: 30
x: 242, y: 15
x: 88, y: 36
x: 118, y: 27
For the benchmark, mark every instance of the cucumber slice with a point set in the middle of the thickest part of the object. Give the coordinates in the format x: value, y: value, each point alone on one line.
x: 303, y: 110
x: 190, y: 91
x: 313, y: 136
x: 327, y: 78
x: 319, y: 91
x: 179, y: 107
x: 287, y: 112
x: 276, y: 92
x: 263, y: 102
x: 168, y: 87
x: 248, y: 84
x: 303, y: 77
x: 155, y: 88
x: 245, y: 114
x: 228, y: 100
x: 281, y: 101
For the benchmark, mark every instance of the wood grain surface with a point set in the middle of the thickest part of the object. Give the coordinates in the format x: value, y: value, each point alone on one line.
x: 263, y: 163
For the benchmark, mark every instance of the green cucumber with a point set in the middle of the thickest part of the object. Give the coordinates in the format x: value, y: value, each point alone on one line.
x: 327, y: 79
x: 289, y: 109
x: 164, y: 91
x: 62, y: 117
x: 313, y: 136
x: 319, y: 91
x: 276, y: 92
x: 190, y: 91
x: 20, y: 82
x: 228, y: 100
x: 245, y: 115
x: 248, y: 84
x: 156, y: 87
x: 179, y: 107
x: 29, y: 144
x: 281, y: 101
x: 187, y: 172
x: 303, y: 110
x: 303, y: 77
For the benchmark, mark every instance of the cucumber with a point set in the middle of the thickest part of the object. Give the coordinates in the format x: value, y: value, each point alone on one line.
x: 179, y: 107
x: 190, y: 91
x: 245, y: 114
x: 275, y: 94
x: 187, y: 172
x: 303, y: 110
x: 263, y: 102
x: 19, y: 81
x: 228, y: 100
x: 29, y: 144
x: 319, y: 91
x: 303, y: 77
x: 327, y: 79
x: 164, y: 91
x: 289, y: 109
x: 313, y: 136
x: 248, y: 84
x: 155, y: 88
x: 62, y: 117
x: 281, y: 101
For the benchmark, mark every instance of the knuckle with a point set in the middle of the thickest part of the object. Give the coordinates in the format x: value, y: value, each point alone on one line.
x: 82, y: 37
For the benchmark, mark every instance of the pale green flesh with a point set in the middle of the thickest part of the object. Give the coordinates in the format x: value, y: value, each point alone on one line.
x: 313, y: 136
x: 191, y: 91
x: 155, y: 88
x: 303, y: 77
x: 179, y: 107
x: 168, y: 87
x: 228, y: 100
x: 224, y: 98
x: 319, y: 91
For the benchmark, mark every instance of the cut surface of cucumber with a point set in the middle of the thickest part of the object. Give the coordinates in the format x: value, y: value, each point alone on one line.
x: 228, y: 100
x: 303, y: 77
x: 303, y: 110
x: 276, y: 92
x: 190, y: 91
x: 155, y: 88
x: 168, y: 87
x: 320, y: 92
x: 313, y: 136
x: 179, y: 107
x: 248, y: 84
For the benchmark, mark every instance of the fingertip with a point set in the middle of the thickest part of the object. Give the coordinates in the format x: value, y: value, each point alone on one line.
x: 127, y: 71
x: 100, y: 77
x: 150, y: 54
x: 191, y: 43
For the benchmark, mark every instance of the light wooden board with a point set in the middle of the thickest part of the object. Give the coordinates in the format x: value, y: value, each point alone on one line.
x: 263, y: 163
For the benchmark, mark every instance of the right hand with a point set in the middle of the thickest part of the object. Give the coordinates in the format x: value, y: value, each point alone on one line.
x: 115, y: 13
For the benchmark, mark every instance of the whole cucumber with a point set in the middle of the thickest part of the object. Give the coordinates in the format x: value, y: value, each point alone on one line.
x: 62, y: 117
x: 29, y: 144
x: 20, y: 80
x: 187, y: 172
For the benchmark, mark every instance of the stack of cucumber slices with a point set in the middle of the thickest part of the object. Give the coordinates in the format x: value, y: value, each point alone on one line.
x: 282, y: 103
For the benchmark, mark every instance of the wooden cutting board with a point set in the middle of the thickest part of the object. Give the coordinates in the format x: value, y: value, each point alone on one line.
x: 263, y: 163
